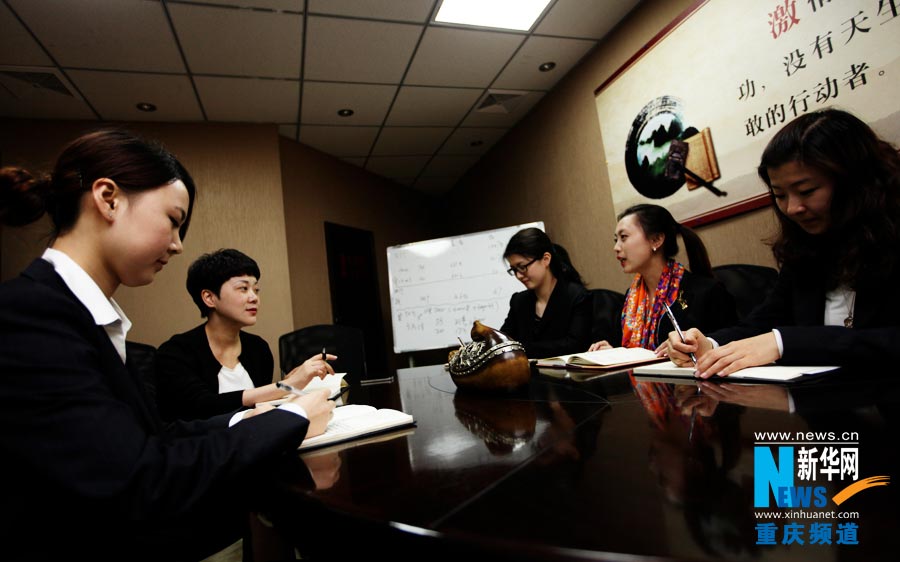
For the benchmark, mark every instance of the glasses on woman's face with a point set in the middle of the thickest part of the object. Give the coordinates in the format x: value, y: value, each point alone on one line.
x: 521, y: 269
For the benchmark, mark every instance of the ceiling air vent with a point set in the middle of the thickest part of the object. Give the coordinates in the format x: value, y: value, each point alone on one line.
x: 500, y: 101
x: 21, y: 82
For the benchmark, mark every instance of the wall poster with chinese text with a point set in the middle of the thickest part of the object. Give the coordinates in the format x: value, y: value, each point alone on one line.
x: 737, y: 72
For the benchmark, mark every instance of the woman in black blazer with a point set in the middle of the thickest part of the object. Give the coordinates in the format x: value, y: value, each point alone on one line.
x: 553, y: 316
x: 836, y: 191
x: 217, y: 367
x: 646, y: 246
x: 90, y: 469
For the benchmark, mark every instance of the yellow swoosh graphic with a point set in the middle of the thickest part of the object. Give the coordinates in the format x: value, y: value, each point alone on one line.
x: 857, y: 487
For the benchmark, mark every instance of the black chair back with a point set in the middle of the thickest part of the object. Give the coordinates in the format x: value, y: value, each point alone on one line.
x: 139, y: 358
x: 344, y: 341
x: 748, y: 284
x: 607, y: 324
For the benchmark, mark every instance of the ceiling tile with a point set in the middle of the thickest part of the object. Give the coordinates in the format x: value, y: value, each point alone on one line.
x: 489, y: 119
x: 248, y: 100
x: 239, y: 42
x: 322, y: 100
x: 448, y: 166
x: 339, y: 141
x: 400, y: 10
x: 400, y: 141
x: 435, y: 185
x: 432, y: 106
x: 462, y: 140
x: 288, y: 131
x: 397, y: 167
x: 461, y: 57
x: 289, y: 5
x: 584, y: 18
x: 358, y: 51
x: 522, y: 72
x: 115, y: 94
x: 20, y: 98
x: 17, y: 46
x: 105, y: 36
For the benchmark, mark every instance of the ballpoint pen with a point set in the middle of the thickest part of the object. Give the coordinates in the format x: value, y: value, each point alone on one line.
x: 298, y: 392
x: 678, y: 329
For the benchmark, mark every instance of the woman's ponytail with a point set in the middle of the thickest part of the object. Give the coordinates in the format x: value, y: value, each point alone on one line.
x: 698, y: 258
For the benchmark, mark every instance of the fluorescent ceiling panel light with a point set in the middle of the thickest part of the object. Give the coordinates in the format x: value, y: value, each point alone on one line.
x: 504, y: 14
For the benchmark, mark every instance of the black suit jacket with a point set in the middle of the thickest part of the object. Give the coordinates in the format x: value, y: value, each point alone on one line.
x: 89, y: 468
x: 796, y: 307
x: 187, y: 375
x: 564, y: 328
x: 702, y: 303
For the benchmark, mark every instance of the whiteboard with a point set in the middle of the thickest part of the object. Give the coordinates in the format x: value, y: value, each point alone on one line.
x: 440, y: 287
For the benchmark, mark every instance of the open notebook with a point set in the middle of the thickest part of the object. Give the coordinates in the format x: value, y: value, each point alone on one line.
x: 614, y: 358
x: 766, y: 373
x: 354, y: 421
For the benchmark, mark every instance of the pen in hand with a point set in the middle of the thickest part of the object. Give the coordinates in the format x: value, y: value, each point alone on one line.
x: 289, y: 388
x: 323, y: 354
x: 678, y: 330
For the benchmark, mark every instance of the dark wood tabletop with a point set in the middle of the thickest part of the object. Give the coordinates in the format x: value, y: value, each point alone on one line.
x: 611, y: 467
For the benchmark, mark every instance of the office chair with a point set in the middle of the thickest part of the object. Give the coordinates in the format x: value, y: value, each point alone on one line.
x: 607, y: 323
x: 139, y: 358
x: 748, y: 284
x: 344, y: 341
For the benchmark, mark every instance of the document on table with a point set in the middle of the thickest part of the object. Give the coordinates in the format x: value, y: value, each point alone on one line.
x: 770, y: 373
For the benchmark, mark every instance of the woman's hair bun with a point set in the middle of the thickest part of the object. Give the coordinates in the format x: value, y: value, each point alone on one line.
x: 22, y: 196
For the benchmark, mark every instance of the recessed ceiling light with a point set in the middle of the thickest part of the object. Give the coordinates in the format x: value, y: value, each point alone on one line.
x: 504, y: 14
x: 476, y: 143
x: 547, y: 66
x: 346, y: 112
x: 148, y: 107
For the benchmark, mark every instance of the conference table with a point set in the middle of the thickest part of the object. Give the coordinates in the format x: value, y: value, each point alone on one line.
x: 588, y: 466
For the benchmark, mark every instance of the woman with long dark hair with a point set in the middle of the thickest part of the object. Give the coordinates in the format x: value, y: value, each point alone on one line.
x: 553, y: 315
x: 646, y: 246
x: 84, y: 452
x: 835, y: 186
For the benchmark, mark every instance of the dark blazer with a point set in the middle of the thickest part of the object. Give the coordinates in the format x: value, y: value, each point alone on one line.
x: 564, y: 328
x: 88, y: 467
x: 187, y: 375
x: 702, y: 303
x: 796, y: 307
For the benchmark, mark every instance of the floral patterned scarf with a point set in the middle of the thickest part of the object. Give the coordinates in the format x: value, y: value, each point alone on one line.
x: 639, y: 322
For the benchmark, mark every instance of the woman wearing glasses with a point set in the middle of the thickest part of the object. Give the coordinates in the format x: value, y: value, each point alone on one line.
x: 553, y: 316
x: 646, y: 246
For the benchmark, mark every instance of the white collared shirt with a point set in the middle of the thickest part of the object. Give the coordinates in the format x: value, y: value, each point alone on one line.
x: 106, y: 311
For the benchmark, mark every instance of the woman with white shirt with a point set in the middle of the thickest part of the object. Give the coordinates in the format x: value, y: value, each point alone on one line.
x: 835, y: 187
x: 217, y: 367
x: 90, y: 467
